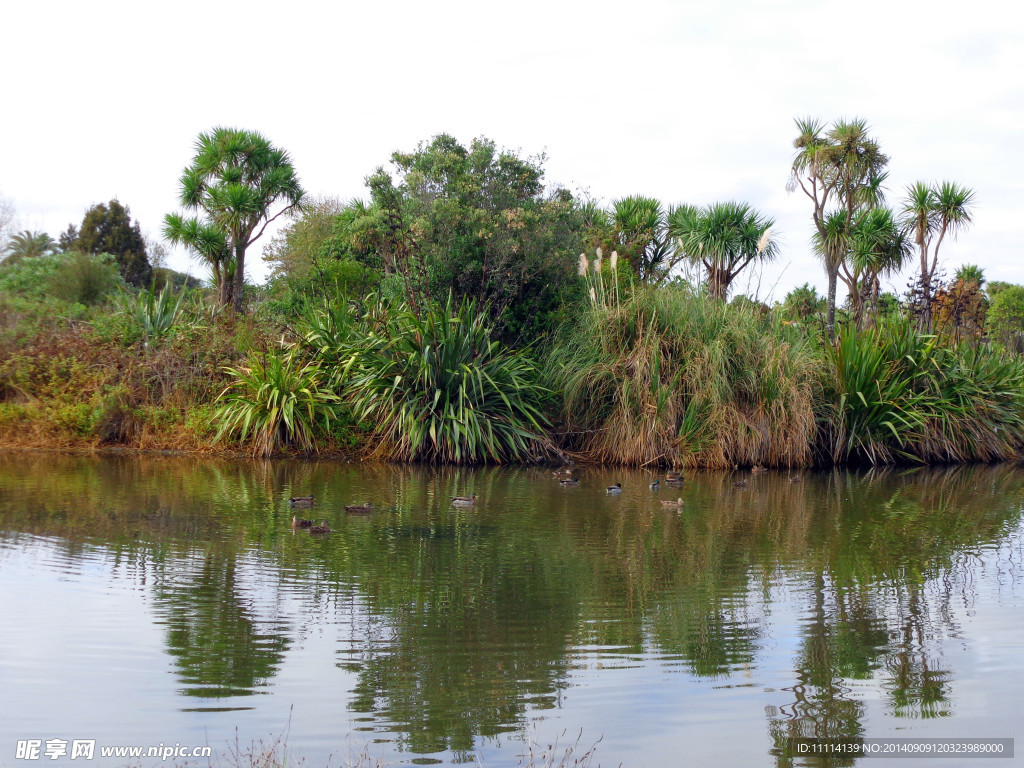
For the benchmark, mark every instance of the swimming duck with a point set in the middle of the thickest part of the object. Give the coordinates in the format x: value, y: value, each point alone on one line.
x: 297, y: 523
x: 463, y: 501
x: 617, y: 488
x: 322, y: 528
x: 795, y: 479
x: 674, y: 476
x: 359, y: 509
x: 756, y: 469
x: 655, y: 485
x: 740, y: 484
x: 301, y: 501
x: 670, y: 503
x: 572, y: 482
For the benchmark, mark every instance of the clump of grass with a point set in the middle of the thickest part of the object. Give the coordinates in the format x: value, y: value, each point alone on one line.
x: 672, y: 377
x: 433, y: 386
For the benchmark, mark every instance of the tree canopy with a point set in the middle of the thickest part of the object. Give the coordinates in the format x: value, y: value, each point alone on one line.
x: 108, y: 228
x: 476, y: 222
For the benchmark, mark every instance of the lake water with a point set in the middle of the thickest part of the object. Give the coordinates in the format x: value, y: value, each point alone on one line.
x: 168, y: 601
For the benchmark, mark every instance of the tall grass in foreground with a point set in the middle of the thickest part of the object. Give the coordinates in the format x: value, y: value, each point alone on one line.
x: 902, y: 396
x: 676, y: 378
x: 432, y: 386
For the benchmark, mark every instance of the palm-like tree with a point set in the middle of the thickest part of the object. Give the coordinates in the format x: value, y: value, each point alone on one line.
x: 235, y: 180
x: 971, y: 273
x: 27, y: 245
x: 642, y: 238
x: 208, y: 243
x: 932, y: 212
x: 879, y: 246
x: 724, y: 238
x: 842, y: 171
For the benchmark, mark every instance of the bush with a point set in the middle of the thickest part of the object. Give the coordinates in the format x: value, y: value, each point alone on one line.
x: 85, y: 278
x: 1006, y: 317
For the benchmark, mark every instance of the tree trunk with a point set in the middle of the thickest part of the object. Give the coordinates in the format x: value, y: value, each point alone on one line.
x: 236, y: 298
x: 830, y: 320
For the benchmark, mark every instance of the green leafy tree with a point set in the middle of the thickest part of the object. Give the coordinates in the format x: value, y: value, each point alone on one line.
x: 994, y: 287
x: 325, y: 250
x: 841, y: 170
x: 878, y: 246
x: 723, y: 238
x: 235, y: 181
x: 108, y: 228
x: 931, y: 213
x: 474, y: 221
x: 1006, y: 318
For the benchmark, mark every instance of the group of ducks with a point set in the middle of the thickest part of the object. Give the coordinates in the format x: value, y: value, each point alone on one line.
x: 564, y: 476
x: 567, y: 480
x: 352, y: 509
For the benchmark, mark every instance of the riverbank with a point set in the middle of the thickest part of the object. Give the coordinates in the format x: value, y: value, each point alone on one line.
x: 657, y: 378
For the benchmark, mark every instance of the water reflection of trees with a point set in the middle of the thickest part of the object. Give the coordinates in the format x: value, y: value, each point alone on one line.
x: 473, y: 617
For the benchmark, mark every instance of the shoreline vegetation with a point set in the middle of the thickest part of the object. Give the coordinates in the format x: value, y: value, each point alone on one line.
x: 466, y: 314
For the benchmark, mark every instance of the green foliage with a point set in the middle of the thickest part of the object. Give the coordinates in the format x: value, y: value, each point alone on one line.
x: 902, y: 396
x: 277, y: 400
x: 475, y: 222
x: 154, y: 314
x: 642, y: 237
x: 803, y: 303
x: 30, y: 277
x: 108, y: 228
x: 1006, y: 316
x: 672, y: 377
x: 75, y: 277
x: 85, y: 278
x: 971, y: 273
x: 433, y: 387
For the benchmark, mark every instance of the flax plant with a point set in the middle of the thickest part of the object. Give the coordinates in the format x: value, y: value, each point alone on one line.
x: 278, y: 399
x: 154, y: 314
x: 903, y: 397
x: 433, y: 386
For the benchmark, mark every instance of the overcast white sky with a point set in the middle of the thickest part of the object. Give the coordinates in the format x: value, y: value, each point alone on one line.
x: 686, y: 101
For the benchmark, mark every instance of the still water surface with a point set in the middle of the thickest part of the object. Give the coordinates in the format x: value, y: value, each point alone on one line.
x: 148, y: 601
